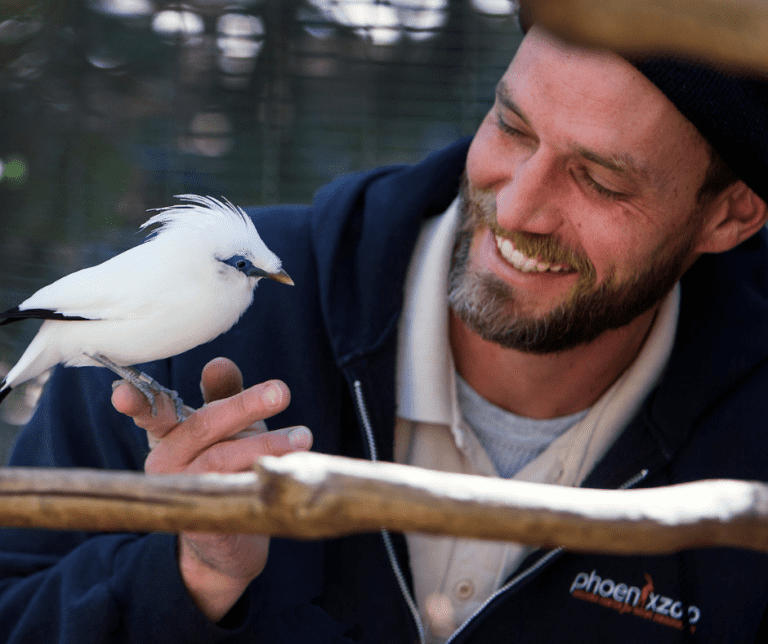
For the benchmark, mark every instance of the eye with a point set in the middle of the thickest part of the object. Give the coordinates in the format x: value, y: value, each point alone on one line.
x: 506, y: 128
x: 241, y: 264
x: 600, y: 189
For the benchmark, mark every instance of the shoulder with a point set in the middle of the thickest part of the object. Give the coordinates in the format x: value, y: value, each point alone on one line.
x: 713, y: 390
x: 286, y: 225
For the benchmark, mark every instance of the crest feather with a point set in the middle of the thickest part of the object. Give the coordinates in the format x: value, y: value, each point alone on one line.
x: 198, y: 212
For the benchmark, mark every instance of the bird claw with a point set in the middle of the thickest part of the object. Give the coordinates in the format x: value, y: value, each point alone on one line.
x: 151, y: 389
x: 146, y: 384
x: 178, y: 403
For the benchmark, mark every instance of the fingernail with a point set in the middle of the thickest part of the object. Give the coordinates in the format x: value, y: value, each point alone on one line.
x: 300, y: 438
x: 272, y: 395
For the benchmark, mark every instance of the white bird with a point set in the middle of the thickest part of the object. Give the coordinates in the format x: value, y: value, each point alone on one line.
x: 188, y: 282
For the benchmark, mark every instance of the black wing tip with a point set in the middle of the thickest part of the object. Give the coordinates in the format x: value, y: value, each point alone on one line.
x: 11, y: 315
x: 16, y: 314
x: 4, y: 391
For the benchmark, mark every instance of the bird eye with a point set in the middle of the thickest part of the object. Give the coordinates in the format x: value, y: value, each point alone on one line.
x: 241, y: 264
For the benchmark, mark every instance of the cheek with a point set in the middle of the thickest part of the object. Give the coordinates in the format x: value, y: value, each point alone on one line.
x: 483, y: 158
x: 625, y: 258
x: 472, y: 249
x: 615, y: 248
x: 619, y: 233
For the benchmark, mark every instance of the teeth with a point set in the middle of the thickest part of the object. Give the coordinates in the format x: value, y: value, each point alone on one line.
x: 521, y: 262
x: 517, y: 258
x: 529, y: 265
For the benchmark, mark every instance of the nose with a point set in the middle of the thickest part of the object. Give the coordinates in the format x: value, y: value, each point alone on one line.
x: 529, y: 198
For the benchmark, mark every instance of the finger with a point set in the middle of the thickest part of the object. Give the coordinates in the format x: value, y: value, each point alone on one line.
x: 130, y: 401
x: 221, y: 378
x: 259, y: 427
x: 240, y: 455
x: 222, y: 419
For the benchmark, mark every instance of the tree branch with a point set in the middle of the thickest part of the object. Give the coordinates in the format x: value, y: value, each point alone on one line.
x: 731, y: 32
x: 309, y: 496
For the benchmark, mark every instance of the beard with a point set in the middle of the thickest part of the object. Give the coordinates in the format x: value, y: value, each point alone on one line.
x: 490, y: 307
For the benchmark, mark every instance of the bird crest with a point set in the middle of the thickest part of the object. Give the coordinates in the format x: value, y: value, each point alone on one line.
x: 199, y: 212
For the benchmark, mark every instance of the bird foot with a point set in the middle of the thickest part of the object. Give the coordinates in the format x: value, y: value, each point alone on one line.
x: 145, y: 384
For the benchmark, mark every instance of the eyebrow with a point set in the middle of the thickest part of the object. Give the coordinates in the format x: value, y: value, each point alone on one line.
x: 504, y: 97
x: 624, y: 164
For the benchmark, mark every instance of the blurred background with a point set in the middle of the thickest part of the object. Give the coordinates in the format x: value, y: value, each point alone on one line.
x: 111, y: 107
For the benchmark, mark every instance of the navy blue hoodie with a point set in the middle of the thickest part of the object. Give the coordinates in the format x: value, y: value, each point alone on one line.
x: 332, y: 339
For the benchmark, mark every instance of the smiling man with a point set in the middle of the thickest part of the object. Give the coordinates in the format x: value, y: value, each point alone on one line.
x: 577, y: 297
x: 583, y: 207
x: 586, y: 197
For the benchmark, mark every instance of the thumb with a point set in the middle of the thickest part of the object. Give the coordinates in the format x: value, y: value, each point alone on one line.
x: 221, y: 378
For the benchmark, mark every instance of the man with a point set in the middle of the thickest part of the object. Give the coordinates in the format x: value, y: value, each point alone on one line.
x: 572, y: 353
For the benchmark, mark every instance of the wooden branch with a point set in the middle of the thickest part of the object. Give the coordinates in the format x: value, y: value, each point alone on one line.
x: 309, y: 496
x: 733, y: 32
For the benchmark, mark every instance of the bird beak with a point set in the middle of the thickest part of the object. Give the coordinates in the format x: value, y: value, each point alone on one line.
x: 281, y: 276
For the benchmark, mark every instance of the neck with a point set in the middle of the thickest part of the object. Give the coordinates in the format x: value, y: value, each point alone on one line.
x: 548, y: 385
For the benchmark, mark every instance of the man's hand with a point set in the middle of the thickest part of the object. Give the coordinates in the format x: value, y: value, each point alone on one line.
x: 226, y: 435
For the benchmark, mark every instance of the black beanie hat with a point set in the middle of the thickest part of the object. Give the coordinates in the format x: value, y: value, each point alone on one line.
x: 730, y: 111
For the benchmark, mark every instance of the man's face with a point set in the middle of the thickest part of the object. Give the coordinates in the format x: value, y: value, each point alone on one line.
x: 580, y: 208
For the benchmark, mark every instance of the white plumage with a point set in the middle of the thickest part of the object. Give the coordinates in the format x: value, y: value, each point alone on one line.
x: 190, y: 281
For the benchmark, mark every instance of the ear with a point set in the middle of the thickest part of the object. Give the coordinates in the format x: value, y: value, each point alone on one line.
x: 734, y: 215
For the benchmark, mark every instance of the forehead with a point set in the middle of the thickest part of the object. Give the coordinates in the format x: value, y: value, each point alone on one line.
x: 580, y: 98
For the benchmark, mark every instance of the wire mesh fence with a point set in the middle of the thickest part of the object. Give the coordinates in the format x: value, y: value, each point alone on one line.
x: 111, y: 107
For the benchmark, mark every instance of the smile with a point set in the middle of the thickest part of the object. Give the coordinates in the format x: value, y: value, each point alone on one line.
x: 524, y: 263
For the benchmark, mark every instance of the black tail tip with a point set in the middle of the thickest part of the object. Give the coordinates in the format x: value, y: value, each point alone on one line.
x: 4, y: 391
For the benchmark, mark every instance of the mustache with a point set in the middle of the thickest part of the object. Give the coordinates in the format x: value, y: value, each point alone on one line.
x: 479, y: 206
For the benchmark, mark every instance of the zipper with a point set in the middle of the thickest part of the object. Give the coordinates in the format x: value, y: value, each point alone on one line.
x: 389, y: 546
x: 508, y: 587
x: 634, y: 480
x: 533, y: 568
x: 363, y: 410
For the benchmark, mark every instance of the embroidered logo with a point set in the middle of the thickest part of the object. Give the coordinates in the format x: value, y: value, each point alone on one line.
x: 642, y: 601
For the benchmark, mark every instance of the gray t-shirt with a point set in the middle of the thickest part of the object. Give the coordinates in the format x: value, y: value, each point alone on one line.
x: 511, y: 441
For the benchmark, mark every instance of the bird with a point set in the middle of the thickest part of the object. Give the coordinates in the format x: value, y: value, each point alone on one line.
x: 189, y: 281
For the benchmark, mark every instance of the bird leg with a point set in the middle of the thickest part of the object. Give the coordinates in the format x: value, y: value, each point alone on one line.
x: 145, y: 384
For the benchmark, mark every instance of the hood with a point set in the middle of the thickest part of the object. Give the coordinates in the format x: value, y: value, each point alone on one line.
x: 720, y: 345
x: 722, y: 334
x: 365, y: 226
